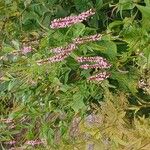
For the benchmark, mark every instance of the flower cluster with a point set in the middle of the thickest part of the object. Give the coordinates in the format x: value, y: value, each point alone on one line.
x: 31, y: 142
x: 71, y: 20
x: 56, y: 58
x: 100, y: 62
x: 10, y: 142
x: 26, y: 49
x: 93, y: 119
x: 63, y: 51
x: 85, y: 39
x: 23, y: 51
x: 144, y: 85
x: 7, y: 120
x: 99, y: 77
x: 95, y: 59
x: 74, y: 128
x: 35, y: 142
x: 66, y: 49
x: 100, y: 65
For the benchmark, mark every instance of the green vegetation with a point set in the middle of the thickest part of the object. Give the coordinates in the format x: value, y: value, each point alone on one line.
x: 53, y: 103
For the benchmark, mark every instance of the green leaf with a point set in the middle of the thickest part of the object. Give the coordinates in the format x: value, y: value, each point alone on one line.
x: 126, y: 4
x: 66, y: 76
x: 79, y: 29
x: 7, y: 49
x: 64, y: 88
x: 75, y: 31
x: 99, y: 4
x: 126, y: 81
x: 30, y: 16
x: 107, y: 47
x: 82, y: 5
x: 145, y: 10
x: 27, y: 2
x: 15, y: 44
x: 114, y: 24
x: 11, y: 85
x: 147, y: 2
x: 147, y: 55
x: 4, y: 86
x: 77, y: 103
x: 93, y: 22
x: 61, y: 12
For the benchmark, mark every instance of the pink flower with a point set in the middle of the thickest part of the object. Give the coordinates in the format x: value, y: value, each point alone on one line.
x: 34, y: 142
x: 11, y: 126
x: 95, y: 59
x: 100, y: 62
x: 26, y: 49
x: 85, y: 39
x: 57, y: 58
x: 10, y: 142
x: 99, y: 77
x: 142, y: 84
x: 66, y: 49
x: 86, y: 14
x: 8, y: 120
x: 68, y: 21
x: 93, y: 119
x: 99, y: 65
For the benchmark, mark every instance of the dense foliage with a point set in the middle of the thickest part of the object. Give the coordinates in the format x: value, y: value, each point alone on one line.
x: 53, y: 106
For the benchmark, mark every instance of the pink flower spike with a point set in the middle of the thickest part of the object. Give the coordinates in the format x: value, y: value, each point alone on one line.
x: 8, y: 120
x: 26, y: 49
x: 71, y: 20
x: 10, y: 142
x: 57, y: 58
x: 66, y: 49
x: 96, y: 59
x: 99, y: 65
x: 85, y: 39
x: 34, y: 142
x: 86, y: 14
x: 99, y: 77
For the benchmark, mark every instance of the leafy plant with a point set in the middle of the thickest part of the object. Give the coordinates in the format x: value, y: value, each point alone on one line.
x: 53, y: 106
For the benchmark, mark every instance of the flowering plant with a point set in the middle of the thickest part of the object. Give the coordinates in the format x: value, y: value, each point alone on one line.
x: 63, y: 52
x: 74, y: 74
